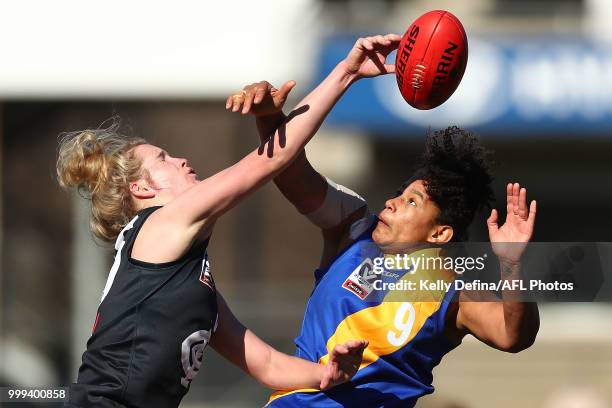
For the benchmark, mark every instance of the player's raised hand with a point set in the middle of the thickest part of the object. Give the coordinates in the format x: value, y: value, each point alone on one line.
x: 368, y: 56
x: 344, y: 361
x: 518, y: 227
x: 260, y: 99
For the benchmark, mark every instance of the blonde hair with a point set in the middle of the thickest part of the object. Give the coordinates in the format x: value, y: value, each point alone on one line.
x: 100, y: 163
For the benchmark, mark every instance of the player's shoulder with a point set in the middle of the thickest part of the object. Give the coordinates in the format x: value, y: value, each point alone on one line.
x: 362, y: 228
x: 359, y: 229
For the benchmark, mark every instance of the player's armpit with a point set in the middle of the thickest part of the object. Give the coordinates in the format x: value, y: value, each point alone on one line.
x: 338, y: 238
x: 340, y: 202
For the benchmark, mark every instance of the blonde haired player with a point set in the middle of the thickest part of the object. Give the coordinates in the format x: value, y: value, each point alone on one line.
x: 160, y: 308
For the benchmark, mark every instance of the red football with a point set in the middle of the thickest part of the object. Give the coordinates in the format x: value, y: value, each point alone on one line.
x: 431, y: 59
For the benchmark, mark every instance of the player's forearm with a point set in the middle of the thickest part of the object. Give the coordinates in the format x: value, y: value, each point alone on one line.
x: 257, y: 358
x: 521, y: 320
x: 304, y: 121
x: 285, y: 372
x: 299, y: 182
x: 203, y: 204
x: 267, y: 125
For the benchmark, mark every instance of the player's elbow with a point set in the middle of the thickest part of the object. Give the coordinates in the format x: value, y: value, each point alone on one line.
x: 516, y: 347
x: 267, y: 374
x: 519, y: 341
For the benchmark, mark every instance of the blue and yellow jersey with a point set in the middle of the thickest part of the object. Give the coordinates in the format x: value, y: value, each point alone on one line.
x: 405, y: 329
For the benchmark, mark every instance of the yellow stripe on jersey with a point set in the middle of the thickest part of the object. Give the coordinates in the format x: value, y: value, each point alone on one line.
x: 390, y: 325
x: 393, y: 323
x: 279, y: 394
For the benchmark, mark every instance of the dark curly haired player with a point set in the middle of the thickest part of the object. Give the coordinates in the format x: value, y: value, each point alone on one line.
x: 407, y: 339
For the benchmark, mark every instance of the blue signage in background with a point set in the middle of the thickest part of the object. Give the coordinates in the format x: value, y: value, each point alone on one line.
x: 520, y: 86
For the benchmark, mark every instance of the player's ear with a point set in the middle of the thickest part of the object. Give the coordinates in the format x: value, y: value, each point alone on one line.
x: 141, y: 189
x: 440, y: 234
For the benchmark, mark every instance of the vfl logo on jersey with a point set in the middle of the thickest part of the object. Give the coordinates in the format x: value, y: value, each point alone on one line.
x: 205, y: 275
x: 361, y: 281
x: 192, y: 350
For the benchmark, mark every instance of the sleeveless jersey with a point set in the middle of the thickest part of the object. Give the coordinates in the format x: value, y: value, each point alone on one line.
x: 405, y: 330
x: 152, y: 325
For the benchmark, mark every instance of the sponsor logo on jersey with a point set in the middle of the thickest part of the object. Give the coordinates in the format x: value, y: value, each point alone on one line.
x: 205, y: 275
x: 361, y: 281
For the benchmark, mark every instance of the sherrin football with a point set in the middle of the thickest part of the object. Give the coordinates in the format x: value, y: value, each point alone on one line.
x: 431, y: 59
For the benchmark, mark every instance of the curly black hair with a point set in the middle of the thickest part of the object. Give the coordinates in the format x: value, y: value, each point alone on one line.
x: 455, y: 169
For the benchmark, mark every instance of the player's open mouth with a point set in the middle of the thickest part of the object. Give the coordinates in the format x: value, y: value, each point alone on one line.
x: 382, y: 222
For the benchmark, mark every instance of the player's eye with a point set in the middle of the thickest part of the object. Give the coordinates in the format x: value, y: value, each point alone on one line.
x: 411, y: 202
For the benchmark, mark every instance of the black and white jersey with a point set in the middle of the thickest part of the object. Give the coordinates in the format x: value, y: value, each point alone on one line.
x: 152, y: 325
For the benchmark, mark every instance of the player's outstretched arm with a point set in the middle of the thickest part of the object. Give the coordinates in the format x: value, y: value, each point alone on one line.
x: 277, y: 370
x: 331, y: 208
x: 172, y: 230
x: 508, y: 325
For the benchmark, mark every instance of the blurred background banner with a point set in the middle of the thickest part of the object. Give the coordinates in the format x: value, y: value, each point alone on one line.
x: 537, y: 89
x: 516, y: 85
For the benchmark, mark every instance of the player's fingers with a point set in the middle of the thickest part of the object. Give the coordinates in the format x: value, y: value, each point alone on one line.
x: 324, y: 383
x: 341, y: 349
x: 492, y: 221
x: 509, y: 199
x: 248, y: 100
x: 394, y: 38
x: 237, y: 101
x: 516, y: 188
x: 228, y: 102
x: 265, y: 85
x: 359, y: 345
x: 260, y: 92
x: 522, y: 203
x: 532, y: 212
x: 390, y: 68
x: 379, y: 39
x: 359, y: 44
x: 350, y: 344
x: 367, y: 44
x: 353, y: 346
x: 362, y: 344
x: 286, y: 88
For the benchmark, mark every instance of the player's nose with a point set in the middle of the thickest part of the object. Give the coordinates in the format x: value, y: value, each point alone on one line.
x: 390, y: 205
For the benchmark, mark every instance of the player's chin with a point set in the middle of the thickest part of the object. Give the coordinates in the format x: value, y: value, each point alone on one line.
x: 381, y: 235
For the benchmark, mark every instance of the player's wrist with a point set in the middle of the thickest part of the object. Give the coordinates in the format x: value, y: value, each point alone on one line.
x: 509, y: 267
x: 348, y: 74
